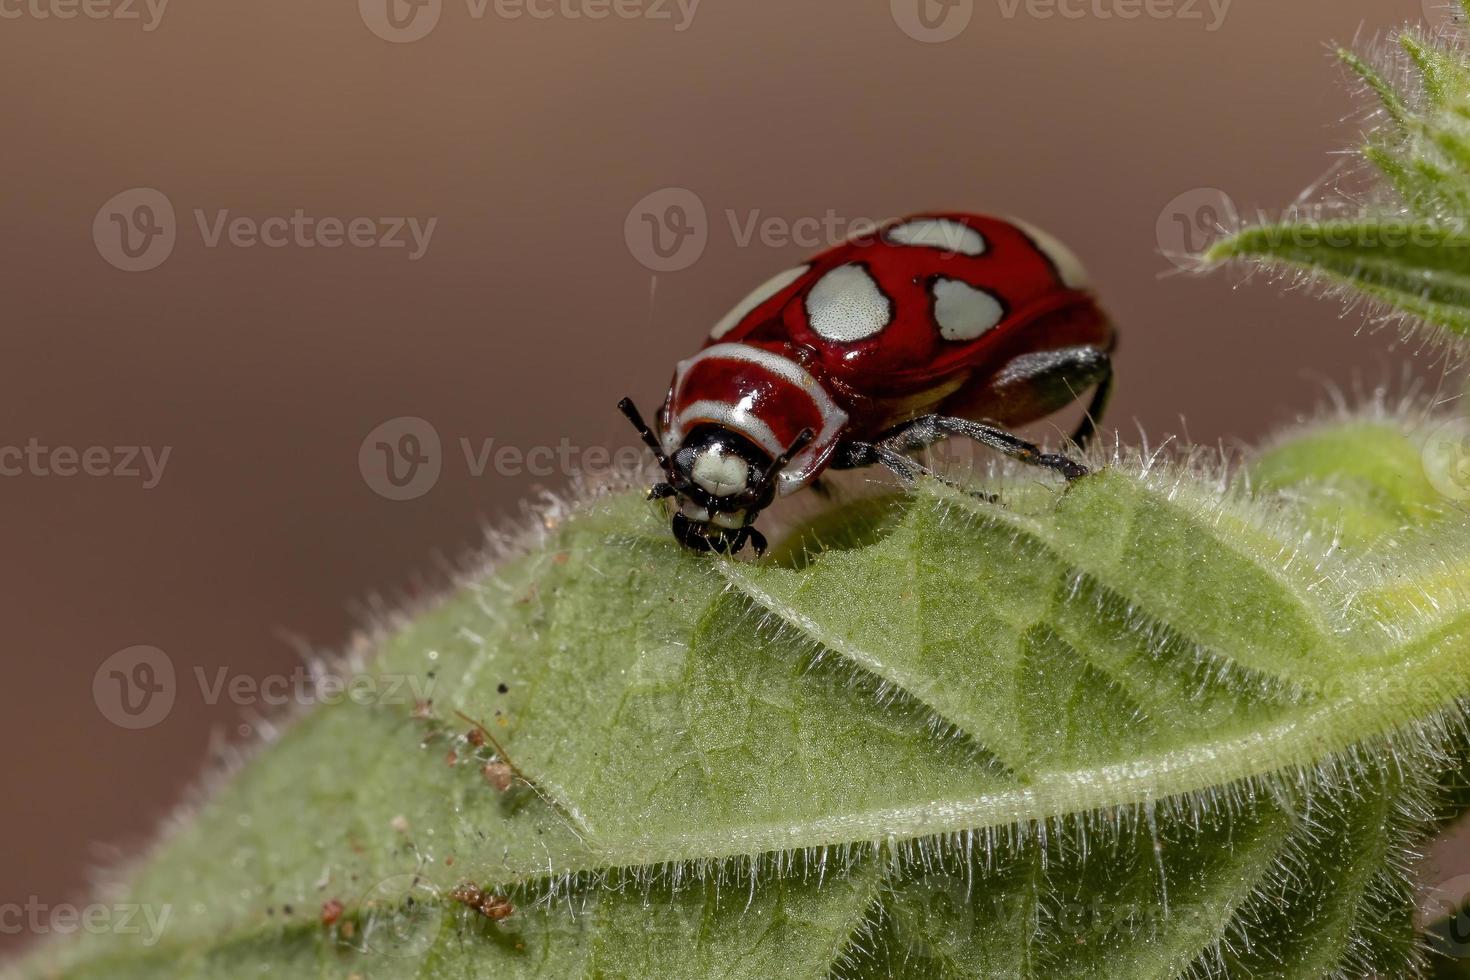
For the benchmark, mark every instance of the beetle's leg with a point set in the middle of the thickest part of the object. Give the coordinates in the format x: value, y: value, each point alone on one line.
x: 661, y: 490
x: 853, y: 455
x: 779, y: 463
x: 1095, y: 408
x: 928, y: 429
x: 1036, y: 384
x: 757, y: 541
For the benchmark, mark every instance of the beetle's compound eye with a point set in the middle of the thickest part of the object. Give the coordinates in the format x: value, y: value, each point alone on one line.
x: 720, y: 472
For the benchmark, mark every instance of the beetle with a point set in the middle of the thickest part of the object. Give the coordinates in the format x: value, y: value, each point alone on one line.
x: 934, y: 325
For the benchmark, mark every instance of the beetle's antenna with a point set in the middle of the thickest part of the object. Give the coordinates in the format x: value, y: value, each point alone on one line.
x: 779, y: 463
x: 627, y: 407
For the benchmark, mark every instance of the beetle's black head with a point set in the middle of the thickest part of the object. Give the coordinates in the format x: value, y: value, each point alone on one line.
x: 720, y: 481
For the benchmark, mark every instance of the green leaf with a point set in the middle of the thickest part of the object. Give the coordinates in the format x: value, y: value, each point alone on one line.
x: 1418, y: 267
x: 1393, y: 103
x: 1442, y: 69
x: 1405, y: 250
x: 1363, y: 479
x: 1157, y: 725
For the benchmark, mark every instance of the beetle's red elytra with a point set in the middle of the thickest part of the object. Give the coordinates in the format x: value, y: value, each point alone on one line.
x: 934, y: 325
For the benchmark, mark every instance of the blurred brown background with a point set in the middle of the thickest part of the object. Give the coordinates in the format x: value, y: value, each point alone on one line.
x: 528, y: 140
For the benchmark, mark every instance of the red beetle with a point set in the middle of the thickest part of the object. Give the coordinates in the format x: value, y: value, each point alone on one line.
x: 935, y: 325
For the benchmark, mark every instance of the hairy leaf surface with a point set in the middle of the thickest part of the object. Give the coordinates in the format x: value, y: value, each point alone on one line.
x: 1161, y: 724
x: 1403, y: 245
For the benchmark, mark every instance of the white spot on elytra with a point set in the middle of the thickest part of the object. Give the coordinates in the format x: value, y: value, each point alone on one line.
x: 964, y: 312
x: 847, y: 305
x: 1069, y: 267
x: 939, y: 233
x: 762, y: 293
x: 720, y: 473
